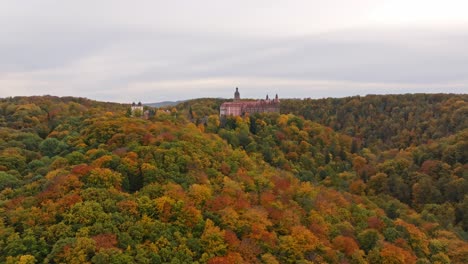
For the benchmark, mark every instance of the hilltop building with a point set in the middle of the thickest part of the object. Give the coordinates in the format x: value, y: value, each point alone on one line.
x: 137, y: 109
x: 239, y: 107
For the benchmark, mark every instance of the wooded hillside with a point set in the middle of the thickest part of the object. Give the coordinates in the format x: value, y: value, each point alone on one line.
x: 326, y: 181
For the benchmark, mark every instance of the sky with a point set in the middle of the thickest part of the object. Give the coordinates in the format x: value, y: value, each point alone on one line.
x: 152, y: 51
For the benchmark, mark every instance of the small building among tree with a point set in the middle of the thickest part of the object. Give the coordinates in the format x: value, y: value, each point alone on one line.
x: 137, y: 109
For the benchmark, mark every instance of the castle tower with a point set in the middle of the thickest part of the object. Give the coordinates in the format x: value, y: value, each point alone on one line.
x: 237, y: 95
x: 276, y: 98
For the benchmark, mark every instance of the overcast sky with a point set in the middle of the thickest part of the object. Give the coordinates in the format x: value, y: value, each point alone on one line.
x: 150, y: 51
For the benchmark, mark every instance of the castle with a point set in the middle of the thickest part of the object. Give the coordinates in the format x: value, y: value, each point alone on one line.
x: 239, y: 107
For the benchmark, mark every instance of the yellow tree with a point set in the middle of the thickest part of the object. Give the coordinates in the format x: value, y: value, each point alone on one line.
x: 213, y: 242
x: 298, y: 243
x: 107, y: 178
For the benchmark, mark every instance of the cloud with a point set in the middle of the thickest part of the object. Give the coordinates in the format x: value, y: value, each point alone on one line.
x: 154, y: 51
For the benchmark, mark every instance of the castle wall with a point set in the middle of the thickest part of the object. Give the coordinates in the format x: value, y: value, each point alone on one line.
x: 239, y: 108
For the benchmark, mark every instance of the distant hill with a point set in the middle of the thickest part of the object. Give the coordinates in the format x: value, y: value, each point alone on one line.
x: 201, y: 107
x: 165, y: 103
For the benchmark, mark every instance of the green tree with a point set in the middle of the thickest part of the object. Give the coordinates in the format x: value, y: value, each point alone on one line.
x: 8, y: 181
x: 368, y: 239
x: 52, y: 146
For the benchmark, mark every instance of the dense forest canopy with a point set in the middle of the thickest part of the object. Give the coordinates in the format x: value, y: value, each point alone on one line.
x: 375, y: 179
x: 390, y: 121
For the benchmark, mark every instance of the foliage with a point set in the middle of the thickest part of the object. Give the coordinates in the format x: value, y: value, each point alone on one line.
x: 81, y: 182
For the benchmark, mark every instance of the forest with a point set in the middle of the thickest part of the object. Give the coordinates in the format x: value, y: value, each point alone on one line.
x: 375, y: 179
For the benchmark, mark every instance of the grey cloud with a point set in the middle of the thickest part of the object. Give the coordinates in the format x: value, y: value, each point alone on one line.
x: 55, y: 47
x: 331, y: 58
x: 110, y: 53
